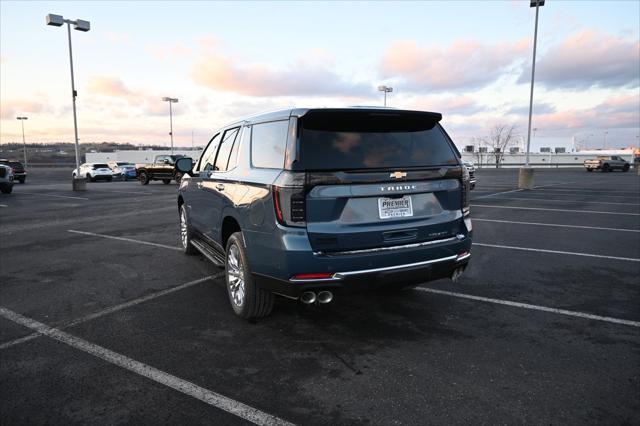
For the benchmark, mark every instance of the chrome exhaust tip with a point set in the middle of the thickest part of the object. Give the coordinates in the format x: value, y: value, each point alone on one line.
x: 308, y: 297
x: 325, y: 297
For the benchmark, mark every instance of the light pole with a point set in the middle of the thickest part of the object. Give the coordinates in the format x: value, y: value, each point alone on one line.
x: 526, y: 174
x: 24, y: 144
x: 80, y: 25
x: 385, y: 89
x: 171, y: 101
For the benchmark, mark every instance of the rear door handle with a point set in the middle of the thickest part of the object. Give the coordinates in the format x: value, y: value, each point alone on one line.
x: 199, y: 185
x: 220, y: 187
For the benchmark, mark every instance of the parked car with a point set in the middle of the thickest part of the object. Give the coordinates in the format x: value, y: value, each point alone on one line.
x: 19, y: 172
x: 607, y: 163
x: 94, y: 172
x: 6, y: 179
x: 163, y: 168
x: 123, y: 170
x: 471, y: 168
x: 305, y: 203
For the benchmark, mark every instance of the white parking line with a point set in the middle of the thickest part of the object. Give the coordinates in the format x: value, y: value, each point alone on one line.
x: 588, y: 190
x: 600, y: 256
x: 214, y: 399
x: 532, y: 307
x: 565, y: 201
x: 556, y: 225
x: 130, y: 240
x: 3, y: 205
x: 113, y: 309
x: 52, y: 195
x: 553, y: 210
x: 497, y: 193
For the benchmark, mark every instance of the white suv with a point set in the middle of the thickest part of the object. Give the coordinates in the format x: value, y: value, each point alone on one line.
x: 94, y: 171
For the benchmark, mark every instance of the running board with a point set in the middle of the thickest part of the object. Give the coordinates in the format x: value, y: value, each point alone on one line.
x: 209, y: 252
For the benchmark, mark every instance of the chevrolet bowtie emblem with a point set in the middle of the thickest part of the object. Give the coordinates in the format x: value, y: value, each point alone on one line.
x: 398, y: 175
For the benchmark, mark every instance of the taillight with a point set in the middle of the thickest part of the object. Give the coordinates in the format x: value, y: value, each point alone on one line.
x: 466, y: 186
x: 289, y: 199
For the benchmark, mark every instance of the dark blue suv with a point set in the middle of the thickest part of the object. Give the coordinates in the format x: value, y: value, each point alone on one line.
x: 308, y: 203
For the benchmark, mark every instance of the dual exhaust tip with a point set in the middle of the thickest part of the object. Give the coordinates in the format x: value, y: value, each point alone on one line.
x: 309, y: 297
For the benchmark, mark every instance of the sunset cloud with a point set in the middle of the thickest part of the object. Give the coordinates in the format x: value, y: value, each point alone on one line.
x: 586, y: 59
x: 10, y: 109
x: 463, y: 64
x: 223, y: 73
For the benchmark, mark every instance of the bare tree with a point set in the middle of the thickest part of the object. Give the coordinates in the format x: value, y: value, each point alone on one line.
x: 500, y: 138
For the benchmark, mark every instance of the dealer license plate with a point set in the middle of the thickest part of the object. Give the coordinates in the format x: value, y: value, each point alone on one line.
x: 389, y: 208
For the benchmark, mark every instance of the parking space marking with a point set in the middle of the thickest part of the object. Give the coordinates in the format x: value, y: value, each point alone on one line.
x: 3, y: 205
x: 115, y: 308
x: 589, y: 190
x: 52, y: 195
x: 556, y: 225
x: 565, y: 201
x: 130, y: 240
x: 532, y: 307
x: 553, y: 210
x: 207, y: 396
x: 600, y: 256
x: 497, y: 193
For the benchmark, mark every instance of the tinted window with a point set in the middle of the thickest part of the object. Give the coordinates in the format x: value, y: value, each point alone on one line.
x: 268, y: 144
x: 374, y: 141
x: 209, y: 154
x: 100, y: 166
x: 226, y: 145
x: 233, y: 158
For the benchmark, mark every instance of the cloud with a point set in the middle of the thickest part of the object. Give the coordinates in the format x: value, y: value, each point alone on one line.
x: 10, y: 109
x: 464, y: 64
x: 447, y: 105
x: 109, y: 86
x: 586, y: 59
x: 617, y: 112
x: 538, y: 108
x: 224, y: 73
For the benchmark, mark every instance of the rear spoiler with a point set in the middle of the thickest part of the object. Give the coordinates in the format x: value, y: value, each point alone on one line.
x: 369, y: 120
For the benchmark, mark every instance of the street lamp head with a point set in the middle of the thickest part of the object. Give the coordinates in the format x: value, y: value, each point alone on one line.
x: 385, y: 89
x: 534, y: 3
x: 22, y: 118
x: 54, y: 20
x: 81, y: 25
x: 167, y: 99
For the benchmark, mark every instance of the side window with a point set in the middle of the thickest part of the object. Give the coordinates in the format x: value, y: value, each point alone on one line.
x: 268, y: 144
x: 233, y: 158
x: 161, y: 158
x: 225, y: 149
x: 209, y: 154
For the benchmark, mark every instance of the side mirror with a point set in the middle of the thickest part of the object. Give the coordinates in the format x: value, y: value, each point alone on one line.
x: 184, y: 164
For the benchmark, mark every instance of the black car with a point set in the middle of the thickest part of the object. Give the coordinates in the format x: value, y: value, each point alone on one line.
x: 308, y: 203
x: 19, y: 173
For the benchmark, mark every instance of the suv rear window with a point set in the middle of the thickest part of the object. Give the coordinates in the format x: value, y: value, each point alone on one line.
x: 371, y: 140
x: 100, y: 166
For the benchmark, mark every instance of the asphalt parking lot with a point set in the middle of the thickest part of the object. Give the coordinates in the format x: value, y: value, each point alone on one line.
x: 104, y: 321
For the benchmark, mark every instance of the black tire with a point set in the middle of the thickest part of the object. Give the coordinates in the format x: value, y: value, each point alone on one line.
x: 255, y: 302
x: 109, y: 179
x: 166, y: 181
x: 6, y: 189
x: 606, y: 168
x: 89, y: 178
x: 144, y: 178
x: 626, y: 168
x: 589, y: 170
x: 185, y: 238
x: 178, y: 177
x: 23, y: 179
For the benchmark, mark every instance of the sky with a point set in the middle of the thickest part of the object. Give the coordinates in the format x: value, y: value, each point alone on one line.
x: 471, y: 61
